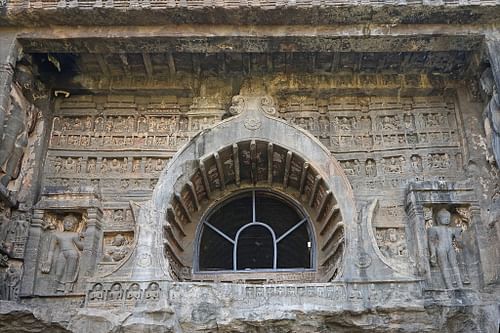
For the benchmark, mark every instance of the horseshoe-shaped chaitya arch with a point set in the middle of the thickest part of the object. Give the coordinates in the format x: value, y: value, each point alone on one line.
x: 253, y: 150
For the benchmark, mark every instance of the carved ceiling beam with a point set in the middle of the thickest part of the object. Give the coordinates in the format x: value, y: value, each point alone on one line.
x: 331, y: 214
x: 269, y: 62
x: 270, y: 149
x: 103, y: 65
x: 331, y: 235
x: 333, y: 252
x: 148, y: 66
x: 253, y: 162
x: 172, y: 219
x: 286, y: 175
x: 171, y: 251
x: 171, y: 63
x: 312, y: 61
x: 184, y: 207
x: 220, y: 171
x: 322, y: 205
x: 236, y: 165
x: 314, y: 190
x: 192, y: 190
x: 171, y: 237
x: 204, y: 176
x: 335, y: 62
x: 124, y: 60
x: 196, y: 63
x: 303, y: 177
x: 221, y: 60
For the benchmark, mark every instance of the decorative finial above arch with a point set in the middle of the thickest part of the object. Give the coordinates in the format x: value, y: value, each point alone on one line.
x: 241, y: 104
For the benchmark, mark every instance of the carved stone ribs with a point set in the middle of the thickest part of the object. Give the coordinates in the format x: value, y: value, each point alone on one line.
x: 254, y: 164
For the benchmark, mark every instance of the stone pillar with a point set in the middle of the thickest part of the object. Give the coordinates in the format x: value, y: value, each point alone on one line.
x: 31, y: 253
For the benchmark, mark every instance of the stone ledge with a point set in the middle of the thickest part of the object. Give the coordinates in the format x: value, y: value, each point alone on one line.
x: 106, y: 13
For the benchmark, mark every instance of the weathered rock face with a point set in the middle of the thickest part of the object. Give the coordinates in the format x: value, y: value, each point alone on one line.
x: 239, y: 176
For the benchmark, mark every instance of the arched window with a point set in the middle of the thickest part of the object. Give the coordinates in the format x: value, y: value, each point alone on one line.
x: 256, y: 230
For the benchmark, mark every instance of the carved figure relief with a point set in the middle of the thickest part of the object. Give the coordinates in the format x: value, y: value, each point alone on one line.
x: 97, y: 293
x: 351, y: 167
x: 11, y: 280
x: 439, y: 161
x: 152, y: 293
x: 133, y: 293
x: 393, y: 164
x: 116, y: 292
x: 64, y: 251
x: 13, y: 233
x: 116, y: 247
x: 392, y: 244
x: 445, y: 241
x: 19, y: 124
x: 491, y: 116
x: 416, y: 164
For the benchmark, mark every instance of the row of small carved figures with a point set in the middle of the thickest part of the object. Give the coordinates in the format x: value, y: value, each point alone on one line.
x: 174, y: 141
x: 406, y: 122
x: 87, y: 140
x: 113, y: 165
x: 129, y: 123
x: 116, y: 183
x: 338, y: 292
x: 119, y: 124
x: 117, y: 293
x: 395, y: 164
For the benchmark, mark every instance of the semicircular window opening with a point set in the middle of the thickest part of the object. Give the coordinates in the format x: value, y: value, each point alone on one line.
x: 256, y: 230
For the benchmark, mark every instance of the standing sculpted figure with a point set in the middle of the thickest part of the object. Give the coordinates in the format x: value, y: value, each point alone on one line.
x: 492, y: 116
x: 64, y: 255
x: 442, y: 238
x: 15, y: 140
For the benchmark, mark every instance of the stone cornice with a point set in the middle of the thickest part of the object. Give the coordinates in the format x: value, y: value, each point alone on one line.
x: 40, y: 13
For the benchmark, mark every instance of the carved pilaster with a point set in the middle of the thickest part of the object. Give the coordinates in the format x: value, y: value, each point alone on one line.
x: 416, y: 225
x: 476, y: 224
x: 31, y: 254
x: 93, y: 239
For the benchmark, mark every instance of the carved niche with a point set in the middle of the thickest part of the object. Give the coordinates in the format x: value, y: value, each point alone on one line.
x: 443, y: 218
x: 63, y: 245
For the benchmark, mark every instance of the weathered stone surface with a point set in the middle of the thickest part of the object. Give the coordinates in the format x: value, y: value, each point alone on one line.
x: 212, y: 166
